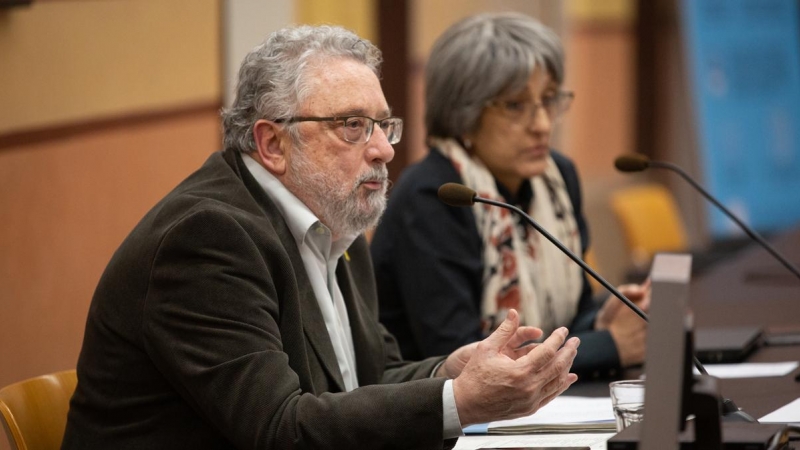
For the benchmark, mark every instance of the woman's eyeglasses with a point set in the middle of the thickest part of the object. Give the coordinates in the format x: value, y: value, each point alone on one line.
x: 555, y: 106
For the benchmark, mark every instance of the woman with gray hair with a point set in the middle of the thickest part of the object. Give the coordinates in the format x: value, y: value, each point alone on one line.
x: 447, y: 276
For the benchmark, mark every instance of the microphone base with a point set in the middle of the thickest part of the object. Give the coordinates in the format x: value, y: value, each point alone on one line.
x: 732, y: 413
x: 738, y: 416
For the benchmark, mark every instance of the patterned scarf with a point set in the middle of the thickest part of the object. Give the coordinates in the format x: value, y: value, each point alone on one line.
x: 522, y: 270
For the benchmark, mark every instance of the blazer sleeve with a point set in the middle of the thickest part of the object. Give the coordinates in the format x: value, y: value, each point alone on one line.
x: 211, y: 326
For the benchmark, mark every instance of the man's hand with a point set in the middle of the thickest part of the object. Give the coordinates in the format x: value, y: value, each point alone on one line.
x: 455, y: 363
x: 499, y: 380
x: 628, y: 330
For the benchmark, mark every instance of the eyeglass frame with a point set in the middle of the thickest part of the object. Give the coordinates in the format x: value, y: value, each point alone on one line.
x: 560, y: 96
x: 368, y: 131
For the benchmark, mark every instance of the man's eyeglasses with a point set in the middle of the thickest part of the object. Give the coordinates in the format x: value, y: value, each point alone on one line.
x: 358, y: 129
x: 522, y: 110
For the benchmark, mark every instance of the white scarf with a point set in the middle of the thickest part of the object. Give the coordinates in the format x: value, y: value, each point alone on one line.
x: 522, y: 270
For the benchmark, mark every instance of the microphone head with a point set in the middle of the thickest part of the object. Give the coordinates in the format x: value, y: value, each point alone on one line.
x: 632, y: 163
x: 455, y: 194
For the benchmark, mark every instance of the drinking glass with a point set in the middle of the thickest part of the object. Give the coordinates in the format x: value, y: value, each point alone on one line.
x: 627, y: 399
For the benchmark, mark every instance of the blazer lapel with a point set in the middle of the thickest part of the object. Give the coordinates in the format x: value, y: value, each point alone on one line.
x: 367, y: 340
x: 315, y: 329
x: 311, y: 317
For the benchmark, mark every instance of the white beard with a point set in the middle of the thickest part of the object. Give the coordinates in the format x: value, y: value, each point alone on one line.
x: 346, y: 211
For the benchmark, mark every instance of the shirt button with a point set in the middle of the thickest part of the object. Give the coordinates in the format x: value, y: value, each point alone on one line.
x: 320, y: 230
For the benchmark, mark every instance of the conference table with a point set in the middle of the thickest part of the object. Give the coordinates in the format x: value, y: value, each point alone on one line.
x: 748, y: 288
x: 753, y: 288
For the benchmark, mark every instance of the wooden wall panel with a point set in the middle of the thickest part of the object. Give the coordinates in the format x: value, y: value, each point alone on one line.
x: 68, y: 61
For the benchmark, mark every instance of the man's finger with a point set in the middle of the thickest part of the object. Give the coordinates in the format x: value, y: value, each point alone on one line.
x: 503, y: 334
x: 571, y: 378
x: 546, y: 351
x: 523, y: 350
x: 524, y: 335
x: 561, y: 364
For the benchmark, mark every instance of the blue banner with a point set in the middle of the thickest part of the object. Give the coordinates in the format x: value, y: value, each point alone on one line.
x: 744, y: 62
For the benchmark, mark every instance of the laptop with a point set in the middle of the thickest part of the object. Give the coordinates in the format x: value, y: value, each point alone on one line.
x: 719, y: 345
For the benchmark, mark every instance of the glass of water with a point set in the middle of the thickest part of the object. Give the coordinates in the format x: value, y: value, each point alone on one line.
x: 627, y: 399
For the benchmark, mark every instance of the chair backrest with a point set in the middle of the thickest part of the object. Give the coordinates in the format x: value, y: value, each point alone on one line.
x: 651, y: 221
x: 34, y: 411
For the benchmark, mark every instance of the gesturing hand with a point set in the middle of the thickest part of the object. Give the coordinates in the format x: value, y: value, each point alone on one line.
x: 499, y: 381
x: 455, y: 363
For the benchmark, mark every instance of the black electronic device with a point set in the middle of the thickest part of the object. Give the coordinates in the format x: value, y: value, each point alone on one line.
x: 718, y: 345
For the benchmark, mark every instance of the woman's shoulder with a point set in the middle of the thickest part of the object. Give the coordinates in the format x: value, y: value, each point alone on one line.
x: 564, y: 163
x: 430, y: 172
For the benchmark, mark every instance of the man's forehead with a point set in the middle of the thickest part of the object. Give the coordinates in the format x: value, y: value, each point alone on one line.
x: 344, y: 87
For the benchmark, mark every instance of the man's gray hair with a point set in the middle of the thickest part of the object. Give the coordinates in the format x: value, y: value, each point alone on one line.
x: 272, y: 80
x: 480, y: 58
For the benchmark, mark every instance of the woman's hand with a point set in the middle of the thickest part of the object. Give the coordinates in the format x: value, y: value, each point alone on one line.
x: 628, y: 330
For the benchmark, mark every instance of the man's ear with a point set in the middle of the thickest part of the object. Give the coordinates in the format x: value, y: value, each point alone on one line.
x: 269, y: 151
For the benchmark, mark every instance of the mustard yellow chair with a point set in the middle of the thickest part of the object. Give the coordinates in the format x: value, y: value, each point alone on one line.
x: 650, y: 221
x: 34, y: 411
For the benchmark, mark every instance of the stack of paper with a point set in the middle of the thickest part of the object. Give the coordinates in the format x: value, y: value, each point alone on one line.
x: 750, y: 370
x: 789, y: 414
x: 565, y: 414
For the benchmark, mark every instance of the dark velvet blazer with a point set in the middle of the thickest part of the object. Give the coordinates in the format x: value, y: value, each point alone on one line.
x: 428, y: 260
x: 204, y: 333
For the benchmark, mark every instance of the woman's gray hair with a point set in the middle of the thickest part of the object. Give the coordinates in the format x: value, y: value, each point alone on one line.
x: 272, y: 78
x: 480, y: 58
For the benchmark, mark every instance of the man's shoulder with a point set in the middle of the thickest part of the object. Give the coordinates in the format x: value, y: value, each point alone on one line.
x: 213, y: 190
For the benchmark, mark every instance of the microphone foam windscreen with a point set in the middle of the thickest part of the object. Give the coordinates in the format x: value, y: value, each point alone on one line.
x: 631, y: 163
x: 455, y: 194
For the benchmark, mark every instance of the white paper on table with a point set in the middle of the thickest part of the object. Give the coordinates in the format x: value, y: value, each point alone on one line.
x: 565, y: 409
x: 789, y: 413
x: 750, y: 370
x: 595, y: 441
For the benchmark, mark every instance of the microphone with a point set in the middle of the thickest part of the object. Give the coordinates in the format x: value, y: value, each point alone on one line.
x: 638, y: 163
x: 455, y: 194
